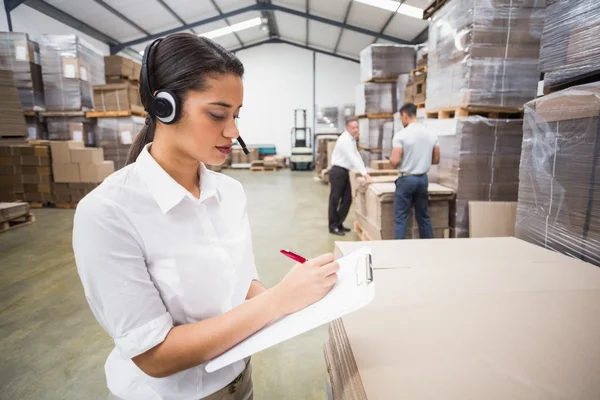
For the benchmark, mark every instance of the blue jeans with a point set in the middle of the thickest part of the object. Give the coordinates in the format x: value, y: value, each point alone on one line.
x: 412, y: 189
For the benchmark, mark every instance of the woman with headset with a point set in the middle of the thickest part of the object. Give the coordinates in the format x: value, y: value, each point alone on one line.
x: 163, y: 246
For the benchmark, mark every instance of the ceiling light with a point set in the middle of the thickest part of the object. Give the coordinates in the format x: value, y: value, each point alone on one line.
x: 391, y: 5
x: 141, y: 52
x: 233, y: 28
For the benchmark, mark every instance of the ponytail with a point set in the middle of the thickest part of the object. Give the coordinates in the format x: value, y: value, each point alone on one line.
x: 145, y: 136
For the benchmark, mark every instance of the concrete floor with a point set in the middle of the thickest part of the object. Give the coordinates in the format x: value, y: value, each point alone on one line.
x: 52, y: 347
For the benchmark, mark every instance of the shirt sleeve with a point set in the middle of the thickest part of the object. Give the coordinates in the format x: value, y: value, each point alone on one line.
x: 397, y: 141
x: 111, y: 264
x: 355, y: 158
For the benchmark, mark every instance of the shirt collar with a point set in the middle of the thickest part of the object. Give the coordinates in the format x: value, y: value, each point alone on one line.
x: 165, y: 190
x: 349, y: 135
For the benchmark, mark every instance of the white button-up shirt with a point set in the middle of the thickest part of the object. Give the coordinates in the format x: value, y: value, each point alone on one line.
x: 346, y: 155
x: 151, y: 256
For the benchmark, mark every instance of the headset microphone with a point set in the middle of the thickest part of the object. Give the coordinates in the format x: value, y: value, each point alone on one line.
x: 244, y: 148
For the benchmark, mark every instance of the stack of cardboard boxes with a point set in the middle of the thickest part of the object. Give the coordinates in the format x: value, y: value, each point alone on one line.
x: 484, y: 54
x: 25, y: 173
x: 559, y: 189
x: 77, y: 170
x: 376, y: 97
x: 238, y: 156
x: 70, y: 67
x: 12, y: 121
x: 569, y: 51
x: 115, y: 136
x: 416, y: 90
x: 121, y: 92
x: 22, y: 56
x: 325, y: 147
x: 480, y: 160
x: 79, y: 129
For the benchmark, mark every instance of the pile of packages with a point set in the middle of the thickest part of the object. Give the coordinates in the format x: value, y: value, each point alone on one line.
x: 484, y: 53
x: 377, y: 97
x: 480, y: 160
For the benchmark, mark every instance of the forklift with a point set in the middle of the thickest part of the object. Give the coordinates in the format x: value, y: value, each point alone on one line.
x: 302, y: 152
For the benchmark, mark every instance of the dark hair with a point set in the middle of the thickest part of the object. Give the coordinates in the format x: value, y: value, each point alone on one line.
x: 179, y: 63
x: 409, y: 109
x: 351, y: 119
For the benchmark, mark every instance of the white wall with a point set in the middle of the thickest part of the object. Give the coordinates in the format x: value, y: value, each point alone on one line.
x: 279, y: 79
x: 34, y: 23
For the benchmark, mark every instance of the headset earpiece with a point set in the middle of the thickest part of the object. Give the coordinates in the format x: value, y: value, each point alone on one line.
x: 165, y: 104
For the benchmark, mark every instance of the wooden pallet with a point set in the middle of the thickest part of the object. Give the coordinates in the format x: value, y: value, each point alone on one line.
x: 488, y: 112
x: 66, y: 206
x: 121, y: 79
x: 361, y: 233
x: 421, y: 69
x: 419, y: 105
x: 135, y: 110
x: 63, y: 113
x: 263, y: 169
x: 377, y: 116
x: 382, y: 80
x: 17, y: 222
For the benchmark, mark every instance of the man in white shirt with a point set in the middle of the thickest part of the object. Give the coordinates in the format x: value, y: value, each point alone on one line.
x: 415, y: 149
x: 344, y: 158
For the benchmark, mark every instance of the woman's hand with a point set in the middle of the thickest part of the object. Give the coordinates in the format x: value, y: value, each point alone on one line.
x: 306, y: 283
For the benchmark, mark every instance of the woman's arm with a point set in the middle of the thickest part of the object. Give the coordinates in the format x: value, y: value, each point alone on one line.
x: 187, y: 346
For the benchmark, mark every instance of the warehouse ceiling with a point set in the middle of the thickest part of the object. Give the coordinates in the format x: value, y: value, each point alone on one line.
x: 341, y: 28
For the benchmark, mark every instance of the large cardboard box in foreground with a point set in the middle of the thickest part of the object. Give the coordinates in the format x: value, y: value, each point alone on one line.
x: 470, y: 319
x: 559, y: 189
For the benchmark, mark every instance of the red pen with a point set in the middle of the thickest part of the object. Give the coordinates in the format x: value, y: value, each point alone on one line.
x: 293, y: 256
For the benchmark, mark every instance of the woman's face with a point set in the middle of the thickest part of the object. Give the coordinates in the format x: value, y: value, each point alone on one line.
x: 207, y: 127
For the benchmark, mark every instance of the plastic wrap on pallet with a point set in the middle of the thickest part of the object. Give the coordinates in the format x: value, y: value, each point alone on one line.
x: 71, y: 128
x: 559, y: 189
x: 484, y: 53
x: 70, y: 68
x: 347, y: 111
x: 22, y: 56
x: 387, y: 138
x: 480, y: 160
x: 401, y: 84
x: 386, y: 61
x: 115, y: 136
x: 569, y: 49
x: 371, y: 133
x: 375, y: 98
x: 328, y: 119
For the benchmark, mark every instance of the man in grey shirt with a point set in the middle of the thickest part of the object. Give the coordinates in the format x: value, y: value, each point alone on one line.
x: 415, y: 150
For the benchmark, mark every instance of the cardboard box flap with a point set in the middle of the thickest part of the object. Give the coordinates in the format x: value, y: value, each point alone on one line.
x: 576, y: 102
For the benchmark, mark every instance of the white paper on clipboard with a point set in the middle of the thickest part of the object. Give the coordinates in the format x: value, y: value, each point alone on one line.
x: 354, y: 290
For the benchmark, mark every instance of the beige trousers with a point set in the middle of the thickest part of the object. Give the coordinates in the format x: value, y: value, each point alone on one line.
x: 240, y: 389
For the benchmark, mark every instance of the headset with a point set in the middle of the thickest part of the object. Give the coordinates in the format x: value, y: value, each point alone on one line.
x: 165, y: 105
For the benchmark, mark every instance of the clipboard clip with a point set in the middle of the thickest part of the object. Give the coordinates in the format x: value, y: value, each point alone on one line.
x: 364, y: 270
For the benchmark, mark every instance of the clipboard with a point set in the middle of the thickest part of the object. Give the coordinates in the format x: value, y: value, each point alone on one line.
x: 354, y: 289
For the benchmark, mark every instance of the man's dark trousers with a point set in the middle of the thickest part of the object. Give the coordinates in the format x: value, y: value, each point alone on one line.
x: 340, y: 197
x: 412, y: 189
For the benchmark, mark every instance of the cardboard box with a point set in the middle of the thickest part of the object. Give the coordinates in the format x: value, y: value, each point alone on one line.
x: 61, y: 151
x: 116, y: 97
x: 466, y: 317
x: 119, y: 68
x: 64, y: 173
x: 87, y: 155
x: 96, y: 173
x: 381, y: 164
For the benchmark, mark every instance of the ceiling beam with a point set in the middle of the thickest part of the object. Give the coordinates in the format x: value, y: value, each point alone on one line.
x: 174, y: 14
x: 307, y: 21
x: 423, y: 36
x: 123, y: 17
x: 61, y: 16
x: 271, y: 19
x: 295, y: 44
x: 262, y: 7
x: 10, y: 5
x: 384, y: 27
x: 255, y: 7
x: 337, y: 43
x: 214, y: 3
